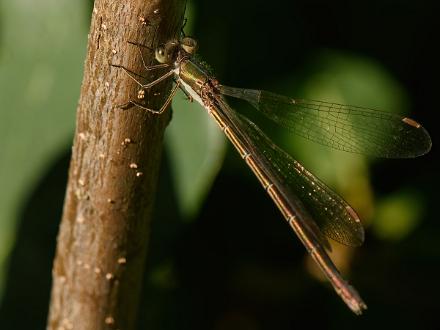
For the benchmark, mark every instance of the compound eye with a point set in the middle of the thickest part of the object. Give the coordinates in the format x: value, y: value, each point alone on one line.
x: 189, y: 45
x: 161, y: 55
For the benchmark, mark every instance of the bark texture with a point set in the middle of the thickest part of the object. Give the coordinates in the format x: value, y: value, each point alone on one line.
x: 102, y: 241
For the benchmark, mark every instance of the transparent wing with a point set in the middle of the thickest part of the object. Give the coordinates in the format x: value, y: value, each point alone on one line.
x: 342, y: 127
x: 333, y: 215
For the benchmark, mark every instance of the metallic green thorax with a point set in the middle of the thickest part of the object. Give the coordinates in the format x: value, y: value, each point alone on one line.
x: 193, y: 74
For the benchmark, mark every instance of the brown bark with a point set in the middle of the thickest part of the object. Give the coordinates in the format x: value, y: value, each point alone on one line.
x: 103, y: 235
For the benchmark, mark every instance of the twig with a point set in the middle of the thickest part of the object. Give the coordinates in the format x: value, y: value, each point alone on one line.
x: 103, y: 236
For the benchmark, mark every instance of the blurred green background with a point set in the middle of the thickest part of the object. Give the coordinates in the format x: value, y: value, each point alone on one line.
x: 221, y: 256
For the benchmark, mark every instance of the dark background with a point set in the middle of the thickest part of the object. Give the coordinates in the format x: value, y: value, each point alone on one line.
x: 237, y: 265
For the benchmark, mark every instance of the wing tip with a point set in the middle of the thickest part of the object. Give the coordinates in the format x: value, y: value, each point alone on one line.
x: 360, y: 233
x: 423, y: 137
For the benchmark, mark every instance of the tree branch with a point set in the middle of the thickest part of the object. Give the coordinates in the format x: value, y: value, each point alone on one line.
x: 103, y: 236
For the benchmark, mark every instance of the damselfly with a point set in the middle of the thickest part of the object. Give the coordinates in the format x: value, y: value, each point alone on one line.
x: 312, y: 210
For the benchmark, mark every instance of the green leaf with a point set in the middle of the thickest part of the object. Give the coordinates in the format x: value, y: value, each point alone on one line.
x: 398, y: 215
x: 196, y: 149
x: 41, y: 62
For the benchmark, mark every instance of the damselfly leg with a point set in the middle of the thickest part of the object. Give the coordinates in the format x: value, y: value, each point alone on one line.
x: 146, y: 86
